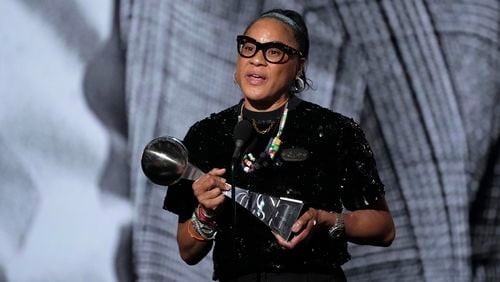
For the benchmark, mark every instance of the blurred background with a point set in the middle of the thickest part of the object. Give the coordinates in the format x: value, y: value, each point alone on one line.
x: 84, y: 85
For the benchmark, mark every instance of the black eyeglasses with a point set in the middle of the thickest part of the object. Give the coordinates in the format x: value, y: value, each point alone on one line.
x: 274, y: 52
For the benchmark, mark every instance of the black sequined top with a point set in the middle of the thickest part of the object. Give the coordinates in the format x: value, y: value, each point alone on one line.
x: 339, y: 170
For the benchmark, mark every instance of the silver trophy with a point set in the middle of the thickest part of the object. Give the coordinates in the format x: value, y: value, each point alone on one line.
x: 165, y: 162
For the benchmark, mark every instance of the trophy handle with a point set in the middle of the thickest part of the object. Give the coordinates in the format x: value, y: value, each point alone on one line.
x: 192, y: 172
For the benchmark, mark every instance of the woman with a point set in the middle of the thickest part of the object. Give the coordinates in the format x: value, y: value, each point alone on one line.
x: 298, y: 150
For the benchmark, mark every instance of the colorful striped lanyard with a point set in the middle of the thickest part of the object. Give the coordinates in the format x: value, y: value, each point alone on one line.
x: 272, y: 147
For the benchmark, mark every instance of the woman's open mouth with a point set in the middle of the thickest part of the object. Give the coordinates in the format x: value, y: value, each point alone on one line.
x: 255, y: 79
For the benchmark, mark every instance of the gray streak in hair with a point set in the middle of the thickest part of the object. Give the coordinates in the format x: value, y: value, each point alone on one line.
x: 285, y: 19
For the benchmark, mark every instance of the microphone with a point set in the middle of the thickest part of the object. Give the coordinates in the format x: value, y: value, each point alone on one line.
x: 242, y: 132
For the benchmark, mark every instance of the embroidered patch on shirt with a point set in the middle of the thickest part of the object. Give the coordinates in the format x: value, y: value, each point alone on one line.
x: 294, y: 154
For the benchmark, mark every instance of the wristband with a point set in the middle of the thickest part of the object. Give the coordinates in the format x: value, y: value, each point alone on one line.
x: 193, y: 234
x: 337, y: 230
x: 207, y: 231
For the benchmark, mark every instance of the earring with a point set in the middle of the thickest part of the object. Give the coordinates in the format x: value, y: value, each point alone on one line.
x: 299, y: 85
x: 234, y: 78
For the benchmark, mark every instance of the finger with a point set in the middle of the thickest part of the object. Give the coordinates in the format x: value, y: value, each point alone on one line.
x: 287, y: 245
x: 210, y: 177
x: 210, y: 194
x: 212, y: 203
x: 281, y: 241
x: 217, y: 171
x: 298, y: 238
x: 298, y: 225
x: 208, y: 182
x: 306, y: 220
x: 226, y: 187
x: 214, y: 172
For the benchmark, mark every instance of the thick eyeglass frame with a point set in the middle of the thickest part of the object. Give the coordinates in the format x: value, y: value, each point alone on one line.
x: 290, y: 51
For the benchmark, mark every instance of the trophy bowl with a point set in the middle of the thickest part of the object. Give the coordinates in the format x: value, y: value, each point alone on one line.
x: 165, y: 160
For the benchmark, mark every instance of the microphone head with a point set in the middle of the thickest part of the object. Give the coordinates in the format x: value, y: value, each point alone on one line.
x: 242, y: 131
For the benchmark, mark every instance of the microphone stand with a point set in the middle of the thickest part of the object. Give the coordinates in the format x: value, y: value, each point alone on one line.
x: 233, y: 197
x: 241, y: 133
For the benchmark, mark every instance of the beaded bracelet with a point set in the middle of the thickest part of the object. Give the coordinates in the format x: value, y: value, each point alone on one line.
x: 205, y: 230
x: 204, y: 218
x: 193, y: 235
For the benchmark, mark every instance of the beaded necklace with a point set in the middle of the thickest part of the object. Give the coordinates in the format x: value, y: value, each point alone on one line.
x: 249, y: 161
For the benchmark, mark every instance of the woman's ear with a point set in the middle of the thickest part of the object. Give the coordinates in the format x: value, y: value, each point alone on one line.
x: 301, y: 67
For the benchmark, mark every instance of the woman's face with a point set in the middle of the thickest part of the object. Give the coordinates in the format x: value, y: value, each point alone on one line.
x: 265, y: 85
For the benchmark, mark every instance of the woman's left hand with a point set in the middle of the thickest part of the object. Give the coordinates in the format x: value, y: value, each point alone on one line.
x: 303, y: 228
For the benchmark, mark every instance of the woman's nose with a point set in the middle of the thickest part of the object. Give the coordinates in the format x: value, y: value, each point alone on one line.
x: 258, y: 58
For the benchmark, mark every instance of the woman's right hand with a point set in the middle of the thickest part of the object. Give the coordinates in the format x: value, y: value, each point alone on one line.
x: 209, y: 187
x: 208, y: 191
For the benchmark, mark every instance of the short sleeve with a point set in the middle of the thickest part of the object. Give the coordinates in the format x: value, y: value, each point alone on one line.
x: 359, y: 180
x: 209, y: 143
x: 179, y: 198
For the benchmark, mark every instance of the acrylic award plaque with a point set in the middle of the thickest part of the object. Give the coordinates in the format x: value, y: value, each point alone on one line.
x: 165, y: 161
